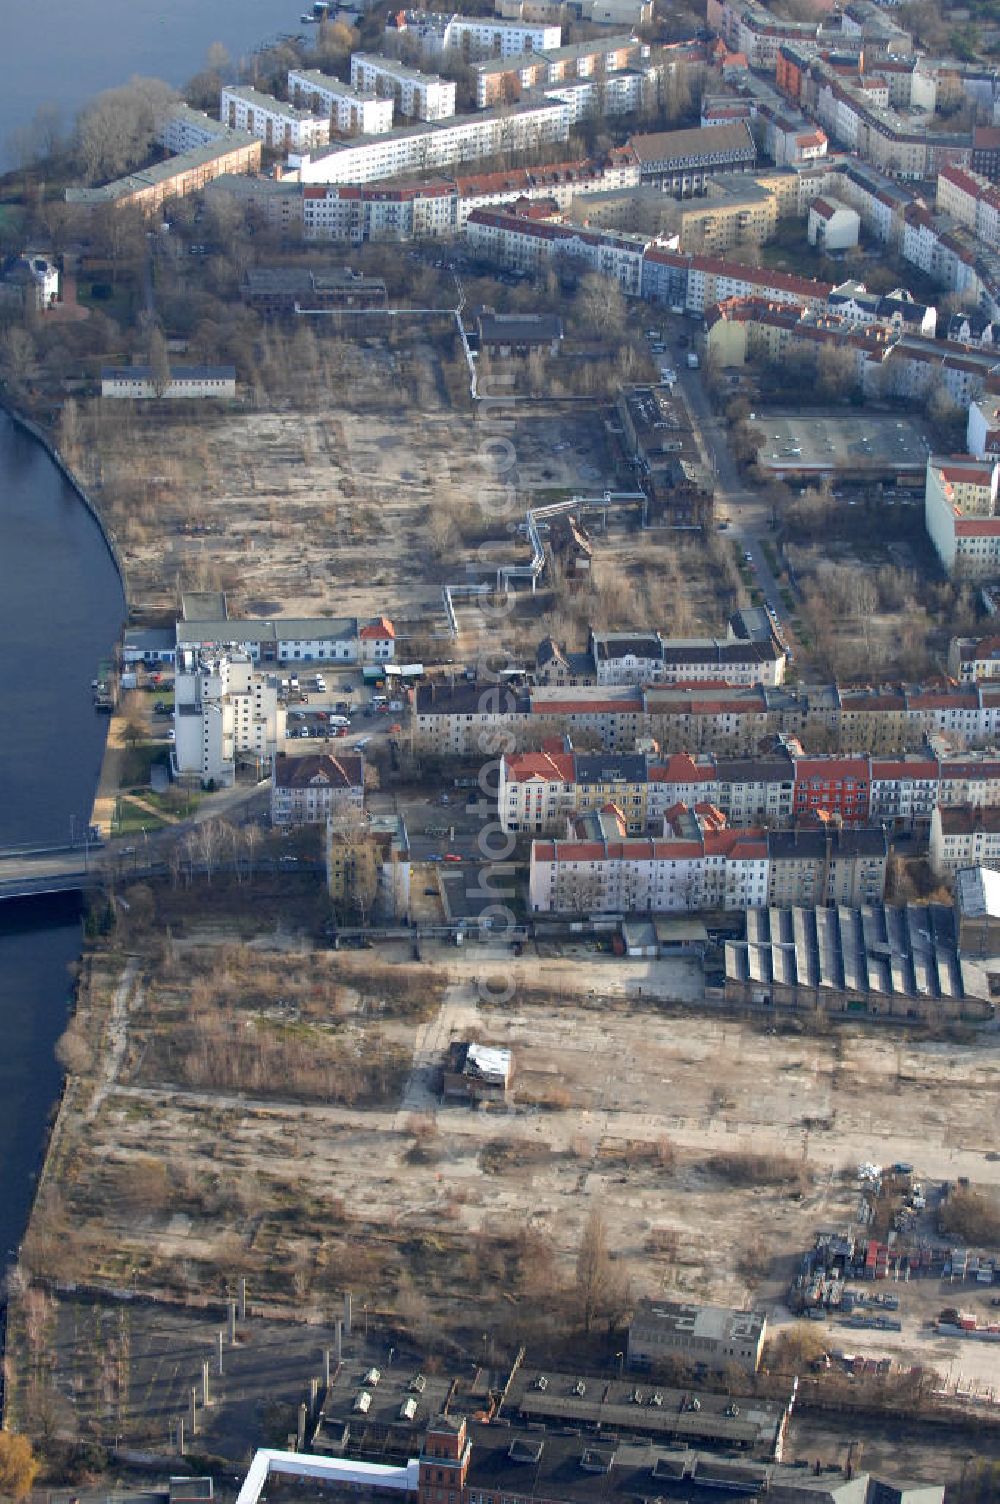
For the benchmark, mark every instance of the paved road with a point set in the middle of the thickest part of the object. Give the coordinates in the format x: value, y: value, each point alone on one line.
x: 746, y: 511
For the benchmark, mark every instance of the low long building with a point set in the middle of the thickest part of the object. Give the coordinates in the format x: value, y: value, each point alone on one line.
x: 432, y: 145
x: 149, y: 188
x: 141, y: 384
x: 286, y: 639
x: 286, y: 289
x: 867, y: 959
x: 487, y: 1462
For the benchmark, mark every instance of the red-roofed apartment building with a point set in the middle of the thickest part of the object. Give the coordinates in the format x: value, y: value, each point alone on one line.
x: 960, y: 510
x: 698, y: 863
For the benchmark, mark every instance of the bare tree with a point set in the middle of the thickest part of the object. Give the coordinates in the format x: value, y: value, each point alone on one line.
x: 598, y: 1287
x: 209, y: 838
x: 117, y: 129
x: 159, y: 361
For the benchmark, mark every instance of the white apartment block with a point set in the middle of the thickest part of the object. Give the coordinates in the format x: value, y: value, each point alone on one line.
x: 465, y: 138
x: 422, y: 96
x: 138, y: 384
x: 281, y: 126
x: 527, y: 245
x: 351, y: 111
x: 185, y: 129
x: 612, y: 94
x: 479, y: 36
x: 224, y: 710
x: 961, y: 514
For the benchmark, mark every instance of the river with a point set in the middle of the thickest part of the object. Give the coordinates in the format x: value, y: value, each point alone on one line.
x: 61, y: 608
x: 65, y: 51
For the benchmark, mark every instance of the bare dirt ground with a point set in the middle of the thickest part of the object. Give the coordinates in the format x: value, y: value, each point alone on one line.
x: 633, y: 1106
x: 373, y: 500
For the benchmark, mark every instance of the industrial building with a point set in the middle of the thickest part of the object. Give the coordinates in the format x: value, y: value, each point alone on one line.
x: 876, y: 960
x: 716, y: 1336
x: 537, y: 1397
x: 485, y: 1462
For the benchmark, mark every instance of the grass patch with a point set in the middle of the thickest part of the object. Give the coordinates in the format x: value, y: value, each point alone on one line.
x: 137, y: 762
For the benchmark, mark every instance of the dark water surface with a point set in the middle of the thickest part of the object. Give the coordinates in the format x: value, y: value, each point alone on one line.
x: 60, y: 612
x: 65, y: 51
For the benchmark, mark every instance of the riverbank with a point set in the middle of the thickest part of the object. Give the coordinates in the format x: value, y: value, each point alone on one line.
x: 29, y: 426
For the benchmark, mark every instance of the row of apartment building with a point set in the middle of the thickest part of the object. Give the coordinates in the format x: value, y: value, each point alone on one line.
x: 503, y: 80
x: 643, y: 266
x: 471, y: 719
x: 971, y: 199
x: 539, y: 791
x: 441, y: 206
x: 351, y: 111
x: 435, y: 144
x: 889, y: 362
x: 476, y: 36
x: 700, y: 862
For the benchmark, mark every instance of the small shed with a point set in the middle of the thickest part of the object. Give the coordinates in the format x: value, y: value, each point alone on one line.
x: 191, y: 1490
x: 477, y: 1072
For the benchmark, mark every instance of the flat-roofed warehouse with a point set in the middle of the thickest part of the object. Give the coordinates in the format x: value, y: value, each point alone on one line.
x: 899, y: 962
x: 717, y: 1336
x: 627, y: 1407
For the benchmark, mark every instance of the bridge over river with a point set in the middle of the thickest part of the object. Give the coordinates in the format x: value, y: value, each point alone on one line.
x: 33, y: 872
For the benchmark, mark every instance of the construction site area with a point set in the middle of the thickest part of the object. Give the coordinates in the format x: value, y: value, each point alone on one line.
x: 230, y: 1115
x: 401, y: 492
